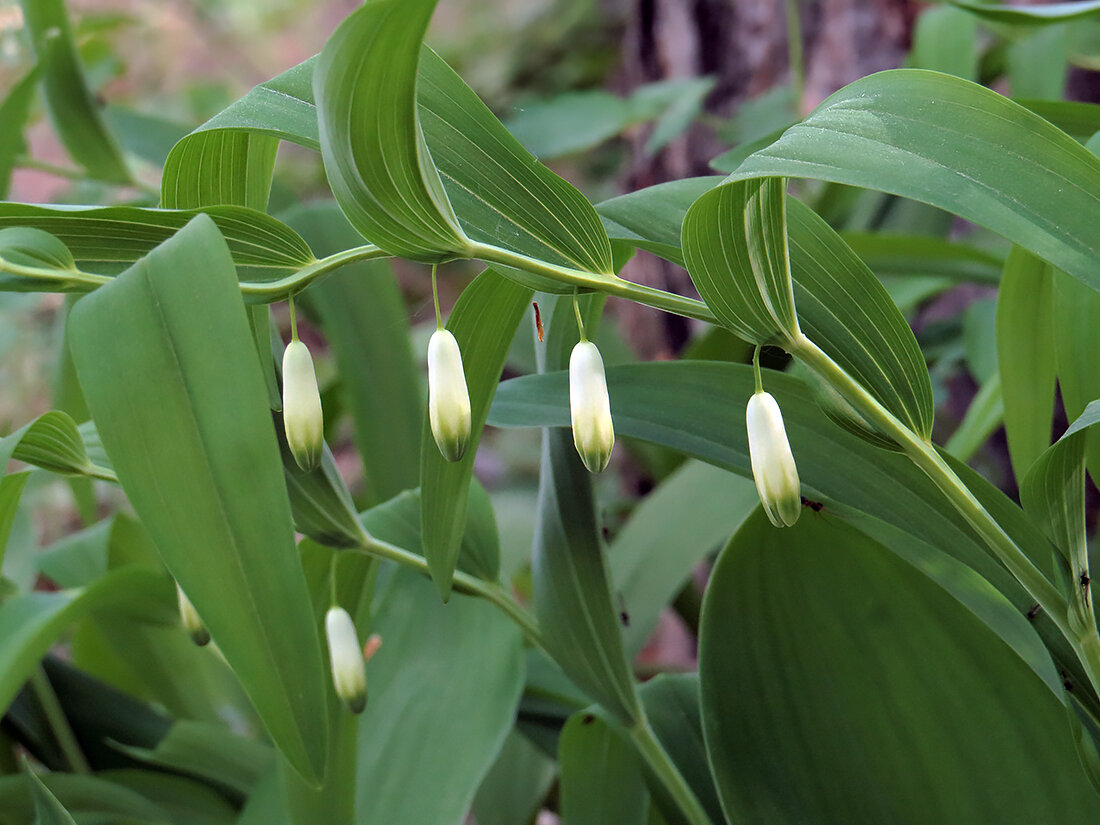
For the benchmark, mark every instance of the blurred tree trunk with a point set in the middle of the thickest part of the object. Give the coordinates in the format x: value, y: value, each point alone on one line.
x: 743, y: 45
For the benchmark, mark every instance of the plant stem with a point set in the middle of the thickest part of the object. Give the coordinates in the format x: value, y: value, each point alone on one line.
x: 609, y: 284
x: 463, y: 583
x: 265, y: 292
x: 59, y: 723
x: 661, y: 764
x: 36, y: 165
x: 922, y: 453
x: 794, y: 52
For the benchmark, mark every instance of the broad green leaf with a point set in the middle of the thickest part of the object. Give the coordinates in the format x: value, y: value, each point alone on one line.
x: 1026, y: 356
x: 735, y: 248
x: 51, y: 442
x: 47, y: 810
x: 13, y: 119
x: 71, y: 104
x: 484, y: 322
x: 1079, y: 120
x: 208, y: 752
x: 35, y: 261
x: 320, y: 502
x: 1036, y: 63
x: 88, y: 798
x: 651, y: 218
x: 378, y: 164
x: 653, y: 555
x: 1076, y: 333
x: 672, y: 706
x: 125, y: 233
x: 11, y: 490
x: 816, y: 652
x: 601, y: 775
x: 365, y: 323
x: 145, y: 135
x: 224, y: 167
x: 955, y: 145
x: 697, y: 408
x: 267, y: 804
x: 1031, y: 14
x: 570, y: 123
x: 515, y: 786
x: 892, y: 255
x: 503, y: 197
x: 569, y: 573
x: 201, y: 434
x: 184, y: 800
x: 30, y: 623
x: 444, y: 689
x: 945, y: 40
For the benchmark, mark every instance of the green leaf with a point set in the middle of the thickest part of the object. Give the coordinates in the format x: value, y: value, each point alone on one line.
x: 1033, y: 15
x: 745, y: 279
x: 209, y: 752
x: 955, y: 145
x: 52, y: 442
x: 48, y: 811
x: 695, y: 407
x: 183, y: 800
x: 892, y: 255
x: 13, y: 119
x: 816, y: 653
x: 365, y: 323
x: 88, y: 797
x: 515, y: 786
x: 1037, y: 62
x: 1026, y: 356
x: 11, y: 490
x: 126, y: 233
x: 672, y: 705
x: 601, y: 775
x: 199, y: 433
x: 1076, y: 333
x: 984, y: 415
x: 653, y: 555
x: 32, y: 622
x: 484, y: 322
x: 1079, y: 120
x: 447, y: 678
x: 320, y: 502
x: 945, y: 40
x: 569, y: 573
x: 223, y: 167
x: 72, y: 106
x: 377, y: 161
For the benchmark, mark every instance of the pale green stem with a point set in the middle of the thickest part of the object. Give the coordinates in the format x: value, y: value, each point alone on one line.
x: 609, y: 284
x: 924, y: 455
x: 63, y: 277
x: 293, y: 318
x: 58, y: 722
x: 577, y: 312
x: 435, y: 297
x: 463, y: 583
x: 662, y: 765
x: 271, y: 291
x: 756, y: 370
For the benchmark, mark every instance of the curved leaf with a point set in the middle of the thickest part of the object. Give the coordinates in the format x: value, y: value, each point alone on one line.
x: 47, y: 810
x: 955, y: 145
x: 88, y: 797
x: 188, y: 429
x: 125, y: 233
x: 72, y: 107
x: 52, y: 442
x: 601, y: 775
x: 377, y: 161
x: 14, y: 111
x: 484, y: 321
x: 1039, y: 14
x: 821, y: 655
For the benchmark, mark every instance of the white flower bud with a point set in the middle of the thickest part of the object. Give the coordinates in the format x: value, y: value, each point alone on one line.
x: 773, y: 466
x: 590, y: 407
x: 190, y: 620
x: 448, y: 398
x: 302, y: 416
x: 348, y: 673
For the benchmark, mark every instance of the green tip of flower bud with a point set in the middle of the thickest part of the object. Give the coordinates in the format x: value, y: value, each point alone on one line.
x: 773, y: 466
x: 302, y: 417
x: 190, y: 620
x: 349, y: 675
x: 590, y: 407
x: 448, y: 398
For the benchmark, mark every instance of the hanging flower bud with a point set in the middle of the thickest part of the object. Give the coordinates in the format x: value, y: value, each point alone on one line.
x: 772, y: 462
x: 190, y: 620
x: 448, y: 398
x: 590, y: 407
x: 348, y: 673
x: 302, y: 416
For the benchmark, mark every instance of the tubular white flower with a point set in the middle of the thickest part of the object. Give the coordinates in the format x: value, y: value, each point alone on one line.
x: 346, y: 657
x: 190, y: 620
x: 590, y: 407
x: 448, y: 398
x: 773, y: 466
x: 302, y: 417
